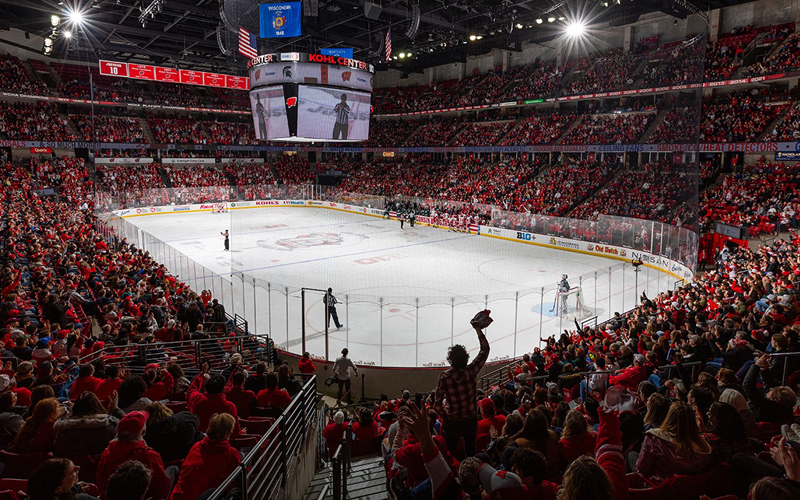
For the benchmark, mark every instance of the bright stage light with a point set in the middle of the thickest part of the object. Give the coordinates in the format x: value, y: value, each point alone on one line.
x: 576, y: 29
x: 67, y: 34
x: 54, y: 20
x: 75, y: 16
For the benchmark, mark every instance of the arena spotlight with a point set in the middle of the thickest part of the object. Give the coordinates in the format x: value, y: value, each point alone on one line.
x: 519, y: 26
x: 48, y: 42
x: 575, y: 29
x: 551, y: 19
x: 75, y: 16
x: 472, y: 38
x: 539, y: 20
x: 402, y: 55
x: 67, y: 34
x: 54, y: 20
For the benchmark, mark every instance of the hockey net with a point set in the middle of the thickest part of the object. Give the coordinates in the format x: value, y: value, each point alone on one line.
x: 219, y: 208
x: 570, y: 306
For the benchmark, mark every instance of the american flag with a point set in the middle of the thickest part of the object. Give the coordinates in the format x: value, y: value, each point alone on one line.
x: 389, y: 43
x: 247, y: 44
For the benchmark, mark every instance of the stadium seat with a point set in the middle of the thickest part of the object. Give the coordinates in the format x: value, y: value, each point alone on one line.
x: 256, y: 425
x: 177, y: 406
x: 20, y: 466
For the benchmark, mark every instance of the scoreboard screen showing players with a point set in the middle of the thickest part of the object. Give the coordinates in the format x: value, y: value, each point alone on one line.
x: 310, y: 97
x: 269, y: 113
x: 326, y: 113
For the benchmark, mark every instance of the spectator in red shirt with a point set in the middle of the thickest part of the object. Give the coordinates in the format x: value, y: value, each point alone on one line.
x: 159, y: 382
x: 238, y: 395
x: 110, y: 384
x: 206, y: 404
x: 273, y: 397
x: 366, y: 427
x: 531, y: 467
x: 305, y: 364
x: 631, y: 377
x: 334, y: 432
x: 209, y: 462
x: 576, y: 438
x: 490, y: 426
x: 456, y: 395
x: 130, y: 445
x: 37, y: 433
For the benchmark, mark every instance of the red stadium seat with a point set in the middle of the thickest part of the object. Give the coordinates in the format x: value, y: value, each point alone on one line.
x: 20, y: 466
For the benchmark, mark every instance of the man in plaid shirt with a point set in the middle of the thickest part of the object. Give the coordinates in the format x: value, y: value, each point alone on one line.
x: 456, y: 395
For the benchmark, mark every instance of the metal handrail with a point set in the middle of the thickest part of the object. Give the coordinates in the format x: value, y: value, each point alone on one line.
x: 785, y: 356
x: 497, y: 374
x: 265, y: 468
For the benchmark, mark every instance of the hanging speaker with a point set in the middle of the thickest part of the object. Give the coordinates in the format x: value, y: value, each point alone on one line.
x: 372, y: 11
x: 414, y: 26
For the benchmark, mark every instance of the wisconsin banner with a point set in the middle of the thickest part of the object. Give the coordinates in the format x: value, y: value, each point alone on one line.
x: 280, y: 20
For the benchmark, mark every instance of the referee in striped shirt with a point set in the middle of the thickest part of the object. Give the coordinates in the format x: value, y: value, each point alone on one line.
x: 342, y: 111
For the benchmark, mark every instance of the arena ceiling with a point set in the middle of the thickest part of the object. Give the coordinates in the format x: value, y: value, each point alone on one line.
x: 191, y: 33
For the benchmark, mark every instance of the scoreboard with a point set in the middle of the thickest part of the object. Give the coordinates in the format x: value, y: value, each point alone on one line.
x: 172, y: 75
x: 310, y: 97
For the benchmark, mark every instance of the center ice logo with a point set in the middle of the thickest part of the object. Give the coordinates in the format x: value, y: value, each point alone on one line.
x: 310, y: 240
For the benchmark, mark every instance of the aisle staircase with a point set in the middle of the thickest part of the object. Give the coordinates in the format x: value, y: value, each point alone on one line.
x: 653, y: 127
x: 367, y: 481
x: 148, y: 134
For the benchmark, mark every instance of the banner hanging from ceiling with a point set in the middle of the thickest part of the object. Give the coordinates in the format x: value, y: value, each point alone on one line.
x: 280, y: 20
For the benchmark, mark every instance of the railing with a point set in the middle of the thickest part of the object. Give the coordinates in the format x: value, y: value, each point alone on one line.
x: 265, y: 469
x: 188, y: 354
x: 498, y: 375
x: 787, y: 356
x: 340, y: 462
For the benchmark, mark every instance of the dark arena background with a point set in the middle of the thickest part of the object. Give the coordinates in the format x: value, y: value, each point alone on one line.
x: 406, y: 249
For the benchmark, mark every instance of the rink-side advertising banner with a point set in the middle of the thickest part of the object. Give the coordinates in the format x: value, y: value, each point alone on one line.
x: 664, y: 264
x: 732, y: 147
x: 280, y: 20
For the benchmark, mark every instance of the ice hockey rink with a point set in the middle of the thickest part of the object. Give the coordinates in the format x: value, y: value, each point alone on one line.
x: 405, y: 295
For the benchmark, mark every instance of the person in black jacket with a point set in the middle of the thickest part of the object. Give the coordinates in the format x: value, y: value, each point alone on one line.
x: 172, y: 435
x: 258, y: 381
x: 779, y: 402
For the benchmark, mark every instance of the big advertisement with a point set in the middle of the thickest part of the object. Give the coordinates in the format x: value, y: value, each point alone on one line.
x: 332, y: 114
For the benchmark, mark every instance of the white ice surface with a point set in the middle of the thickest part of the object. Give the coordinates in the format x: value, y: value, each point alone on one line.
x: 366, y: 259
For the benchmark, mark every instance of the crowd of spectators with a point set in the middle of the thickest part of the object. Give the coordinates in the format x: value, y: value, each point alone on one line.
x: 750, y: 198
x: 651, y: 192
x: 684, y: 393
x: 177, y: 130
x: 133, y: 181
x: 109, y: 128
x: 618, y: 128
x: 76, y: 307
x: 435, y: 132
x: 68, y: 174
x: 737, y: 117
x: 293, y: 169
x: 14, y: 78
x: 195, y: 176
x: 678, y: 126
x: 786, y: 58
x: 40, y: 122
x: 229, y: 133
x: 383, y: 133
x: 789, y: 128
x: 543, y: 128
x: 482, y: 133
